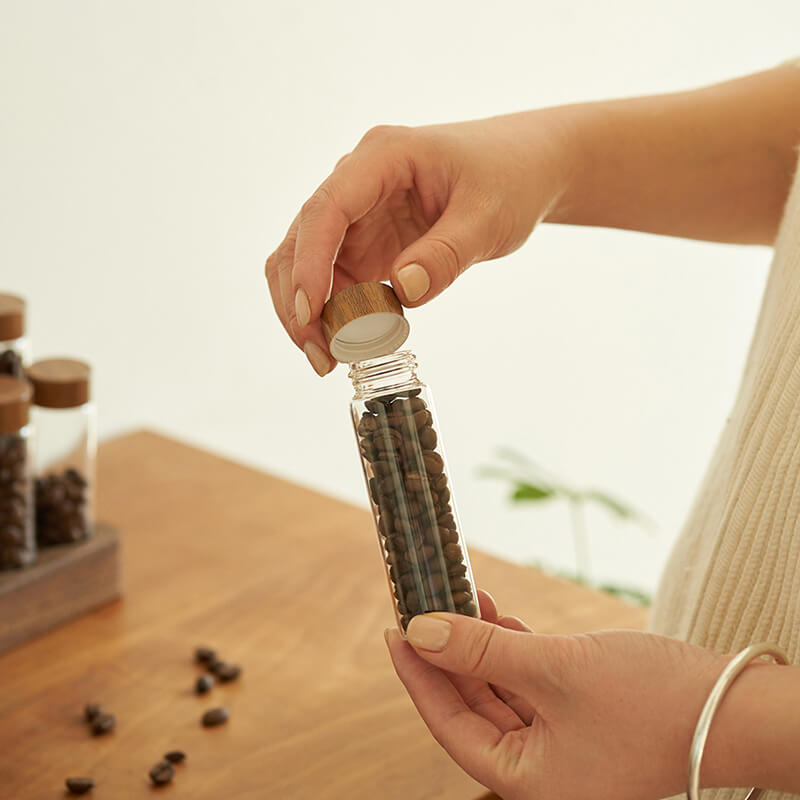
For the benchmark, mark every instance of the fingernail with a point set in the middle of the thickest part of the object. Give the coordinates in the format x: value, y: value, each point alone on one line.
x: 428, y: 633
x: 302, y: 308
x: 414, y: 280
x: 319, y: 360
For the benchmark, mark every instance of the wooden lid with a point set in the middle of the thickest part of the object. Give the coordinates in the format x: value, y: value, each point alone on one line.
x: 15, y: 398
x: 363, y: 321
x: 12, y: 317
x: 59, y: 382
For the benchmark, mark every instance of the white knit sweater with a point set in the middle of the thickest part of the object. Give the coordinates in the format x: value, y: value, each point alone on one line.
x: 734, y: 575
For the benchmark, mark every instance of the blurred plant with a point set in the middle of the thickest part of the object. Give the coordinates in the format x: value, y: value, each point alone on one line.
x: 531, y: 483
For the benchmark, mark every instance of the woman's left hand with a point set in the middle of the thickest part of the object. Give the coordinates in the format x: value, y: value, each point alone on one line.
x: 609, y: 714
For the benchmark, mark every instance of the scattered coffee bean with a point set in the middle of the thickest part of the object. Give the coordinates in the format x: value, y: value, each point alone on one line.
x: 214, y: 717
x: 410, y: 492
x: 205, y: 655
x: 62, y: 514
x: 203, y: 684
x: 16, y: 508
x: 91, y: 711
x: 175, y: 756
x: 79, y: 785
x: 11, y: 364
x: 227, y: 672
x: 162, y: 773
x: 103, y: 723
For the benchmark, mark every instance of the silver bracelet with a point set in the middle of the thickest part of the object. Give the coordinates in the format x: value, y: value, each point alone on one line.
x: 729, y: 675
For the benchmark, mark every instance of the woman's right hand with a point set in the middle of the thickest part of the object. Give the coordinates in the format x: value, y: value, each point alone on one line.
x: 416, y: 206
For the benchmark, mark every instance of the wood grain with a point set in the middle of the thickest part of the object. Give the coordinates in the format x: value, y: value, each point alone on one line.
x: 286, y: 582
x: 65, y: 582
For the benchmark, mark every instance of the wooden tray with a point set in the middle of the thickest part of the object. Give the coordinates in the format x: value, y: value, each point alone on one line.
x: 65, y: 582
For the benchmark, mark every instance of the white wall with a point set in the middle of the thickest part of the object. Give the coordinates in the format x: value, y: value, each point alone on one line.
x: 152, y: 154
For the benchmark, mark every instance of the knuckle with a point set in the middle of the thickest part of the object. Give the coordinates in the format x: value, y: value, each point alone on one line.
x: 448, y: 255
x: 383, y: 134
x: 478, y: 648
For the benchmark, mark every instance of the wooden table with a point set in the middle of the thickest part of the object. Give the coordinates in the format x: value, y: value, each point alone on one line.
x: 281, y: 579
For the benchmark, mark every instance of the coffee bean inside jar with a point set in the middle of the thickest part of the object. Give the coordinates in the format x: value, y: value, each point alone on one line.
x: 402, y: 457
x: 16, y: 507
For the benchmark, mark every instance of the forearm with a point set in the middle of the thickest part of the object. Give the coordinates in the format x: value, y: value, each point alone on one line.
x: 714, y: 163
x: 755, y: 737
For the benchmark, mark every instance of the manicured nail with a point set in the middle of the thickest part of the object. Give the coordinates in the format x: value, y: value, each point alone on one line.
x: 428, y: 633
x: 302, y: 308
x: 414, y: 280
x: 319, y: 360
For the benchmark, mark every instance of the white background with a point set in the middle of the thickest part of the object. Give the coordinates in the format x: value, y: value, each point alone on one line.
x: 153, y: 153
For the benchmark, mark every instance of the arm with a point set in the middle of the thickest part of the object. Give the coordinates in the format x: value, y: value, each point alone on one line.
x: 714, y: 163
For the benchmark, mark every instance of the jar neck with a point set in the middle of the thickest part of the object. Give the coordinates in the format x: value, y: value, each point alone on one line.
x: 376, y: 376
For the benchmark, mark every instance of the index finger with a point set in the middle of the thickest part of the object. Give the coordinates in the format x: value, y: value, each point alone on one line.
x: 354, y: 188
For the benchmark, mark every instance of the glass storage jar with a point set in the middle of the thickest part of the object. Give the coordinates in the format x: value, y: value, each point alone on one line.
x: 17, y: 539
x: 66, y: 433
x: 403, y: 460
x: 14, y: 346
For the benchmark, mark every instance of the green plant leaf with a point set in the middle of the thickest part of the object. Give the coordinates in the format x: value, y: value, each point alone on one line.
x: 611, y: 504
x: 529, y: 491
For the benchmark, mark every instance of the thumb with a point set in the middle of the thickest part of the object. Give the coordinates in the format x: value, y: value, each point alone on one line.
x: 468, y: 646
x: 430, y: 264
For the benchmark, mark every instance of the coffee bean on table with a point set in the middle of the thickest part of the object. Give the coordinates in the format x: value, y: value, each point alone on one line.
x: 79, y: 785
x: 175, y: 756
x: 162, y: 773
x: 227, y: 672
x: 103, y: 723
x: 214, y: 717
x: 205, y: 655
x: 203, y: 684
x: 91, y: 711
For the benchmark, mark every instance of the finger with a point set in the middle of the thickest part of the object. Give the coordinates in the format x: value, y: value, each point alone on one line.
x: 480, y: 698
x: 278, y: 262
x: 355, y: 187
x: 468, y: 737
x: 430, y: 264
x: 487, y: 605
x: 468, y: 646
x: 514, y: 624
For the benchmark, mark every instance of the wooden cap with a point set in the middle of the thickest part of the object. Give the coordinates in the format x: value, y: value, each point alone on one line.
x: 59, y: 382
x: 15, y: 399
x: 363, y: 321
x: 12, y: 317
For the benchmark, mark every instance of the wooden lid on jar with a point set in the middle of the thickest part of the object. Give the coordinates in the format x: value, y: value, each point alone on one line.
x: 363, y: 321
x: 59, y: 382
x: 12, y: 317
x: 15, y: 399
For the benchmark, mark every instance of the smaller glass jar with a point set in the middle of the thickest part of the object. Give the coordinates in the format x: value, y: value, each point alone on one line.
x: 14, y: 349
x: 66, y: 433
x: 17, y: 540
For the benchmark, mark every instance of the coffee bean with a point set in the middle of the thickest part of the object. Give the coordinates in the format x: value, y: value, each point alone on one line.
x: 203, y: 684
x: 427, y: 438
x: 227, y: 672
x: 175, y: 756
x: 92, y: 711
x: 469, y: 609
x: 162, y: 773
x: 79, y: 785
x: 204, y: 655
x: 11, y: 364
x: 459, y: 598
x: 452, y: 552
x: 17, y: 537
x: 103, y: 723
x: 214, y: 717
x: 460, y: 585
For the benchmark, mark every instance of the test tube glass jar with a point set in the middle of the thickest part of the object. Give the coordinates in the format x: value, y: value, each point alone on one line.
x: 17, y: 539
x: 14, y: 345
x: 404, y: 464
x: 409, y: 487
x: 66, y: 429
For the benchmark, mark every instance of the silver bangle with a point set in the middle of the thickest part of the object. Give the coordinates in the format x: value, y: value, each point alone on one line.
x: 729, y: 675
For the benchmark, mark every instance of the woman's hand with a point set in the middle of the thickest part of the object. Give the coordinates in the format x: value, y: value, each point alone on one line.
x: 416, y: 206
x: 605, y: 715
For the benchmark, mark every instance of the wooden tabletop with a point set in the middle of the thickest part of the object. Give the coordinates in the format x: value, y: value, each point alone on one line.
x: 285, y: 581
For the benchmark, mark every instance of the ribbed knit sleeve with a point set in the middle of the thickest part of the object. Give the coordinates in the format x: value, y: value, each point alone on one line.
x: 734, y: 575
